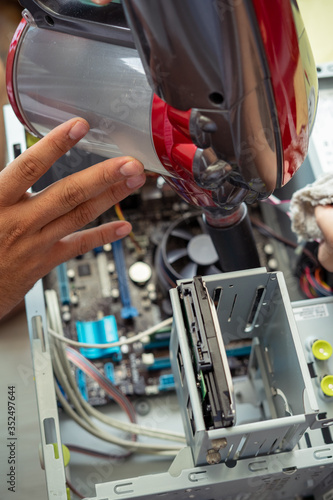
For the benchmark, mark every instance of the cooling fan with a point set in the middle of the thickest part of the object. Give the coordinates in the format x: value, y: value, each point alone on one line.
x: 186, y: 251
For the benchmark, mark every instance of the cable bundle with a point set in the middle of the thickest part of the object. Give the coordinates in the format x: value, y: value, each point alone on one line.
x: 81, y: 411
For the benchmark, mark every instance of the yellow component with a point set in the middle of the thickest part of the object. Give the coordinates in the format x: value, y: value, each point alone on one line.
x: 327, y: 385
x: 317, y: 17
x: 56, y: 451
x: 65, y: 453
x: 68, y: 491
x: 31, y: 139
x: 322, y: 350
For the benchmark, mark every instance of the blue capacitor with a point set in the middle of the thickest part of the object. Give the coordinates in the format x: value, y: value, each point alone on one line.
x: 102, y: 331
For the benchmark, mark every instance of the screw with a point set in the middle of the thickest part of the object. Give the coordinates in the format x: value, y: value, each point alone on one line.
x: 220, y: 443
x: 213, y: 457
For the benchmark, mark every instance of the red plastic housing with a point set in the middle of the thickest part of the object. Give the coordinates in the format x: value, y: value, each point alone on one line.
x: 279, y: 36
x: 170, y: 129
x: 176, y: 151
x: 10, y: 70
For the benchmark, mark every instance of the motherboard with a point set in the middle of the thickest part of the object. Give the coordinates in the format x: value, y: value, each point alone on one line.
x: 118, y: 290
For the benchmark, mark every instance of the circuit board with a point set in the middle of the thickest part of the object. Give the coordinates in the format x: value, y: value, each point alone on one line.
x: 119, y: 290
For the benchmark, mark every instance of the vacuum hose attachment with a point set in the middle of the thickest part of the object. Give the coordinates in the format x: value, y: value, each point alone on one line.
x: 233, y: 239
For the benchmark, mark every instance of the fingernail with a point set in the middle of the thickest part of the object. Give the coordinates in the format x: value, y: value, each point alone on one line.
x: 79, y: 130
x: 123, y: 230
x: 135, y: 182
x: 131, y: 168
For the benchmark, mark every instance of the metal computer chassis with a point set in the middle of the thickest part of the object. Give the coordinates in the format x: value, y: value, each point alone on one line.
x: 294, y: 413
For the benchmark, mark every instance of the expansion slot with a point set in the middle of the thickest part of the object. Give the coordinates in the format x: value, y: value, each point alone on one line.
x: 104, y: 277
x: 64, y: 289
x: 128, y: 311
x: 208, y: 354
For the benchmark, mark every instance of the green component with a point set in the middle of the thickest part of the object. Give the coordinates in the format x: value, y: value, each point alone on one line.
x: 163, y: 333
x: 202, y: 386
x: 68, y: 491
x: 166, y: 329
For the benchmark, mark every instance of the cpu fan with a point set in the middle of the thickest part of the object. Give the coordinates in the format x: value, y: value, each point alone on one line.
x: 186, y: 250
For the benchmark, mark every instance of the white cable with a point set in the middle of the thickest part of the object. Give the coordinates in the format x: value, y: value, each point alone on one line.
x: 70, y: 386
x: 132, y: 446
x: 130, y: 340
x: 124, y: 426
x: 53, y: 308
x: 134, y: 428
x: 68, y: 382
x: 83, y: 406
x: 85, y: 421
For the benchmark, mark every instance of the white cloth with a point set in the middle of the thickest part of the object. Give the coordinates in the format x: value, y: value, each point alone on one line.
x: 303, y: 203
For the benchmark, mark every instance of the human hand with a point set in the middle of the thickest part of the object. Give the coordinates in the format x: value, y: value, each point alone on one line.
x: 36, y: 229
x: 324, y: 218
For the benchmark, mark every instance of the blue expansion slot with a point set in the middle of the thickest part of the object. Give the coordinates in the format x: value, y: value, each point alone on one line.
x: 239, y: 351
x: 63, y: 284
x: 160, y: 364
x: 127, y: 311
x: 161, y: 344
x: 158, y: 341
x: 82, y: 383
